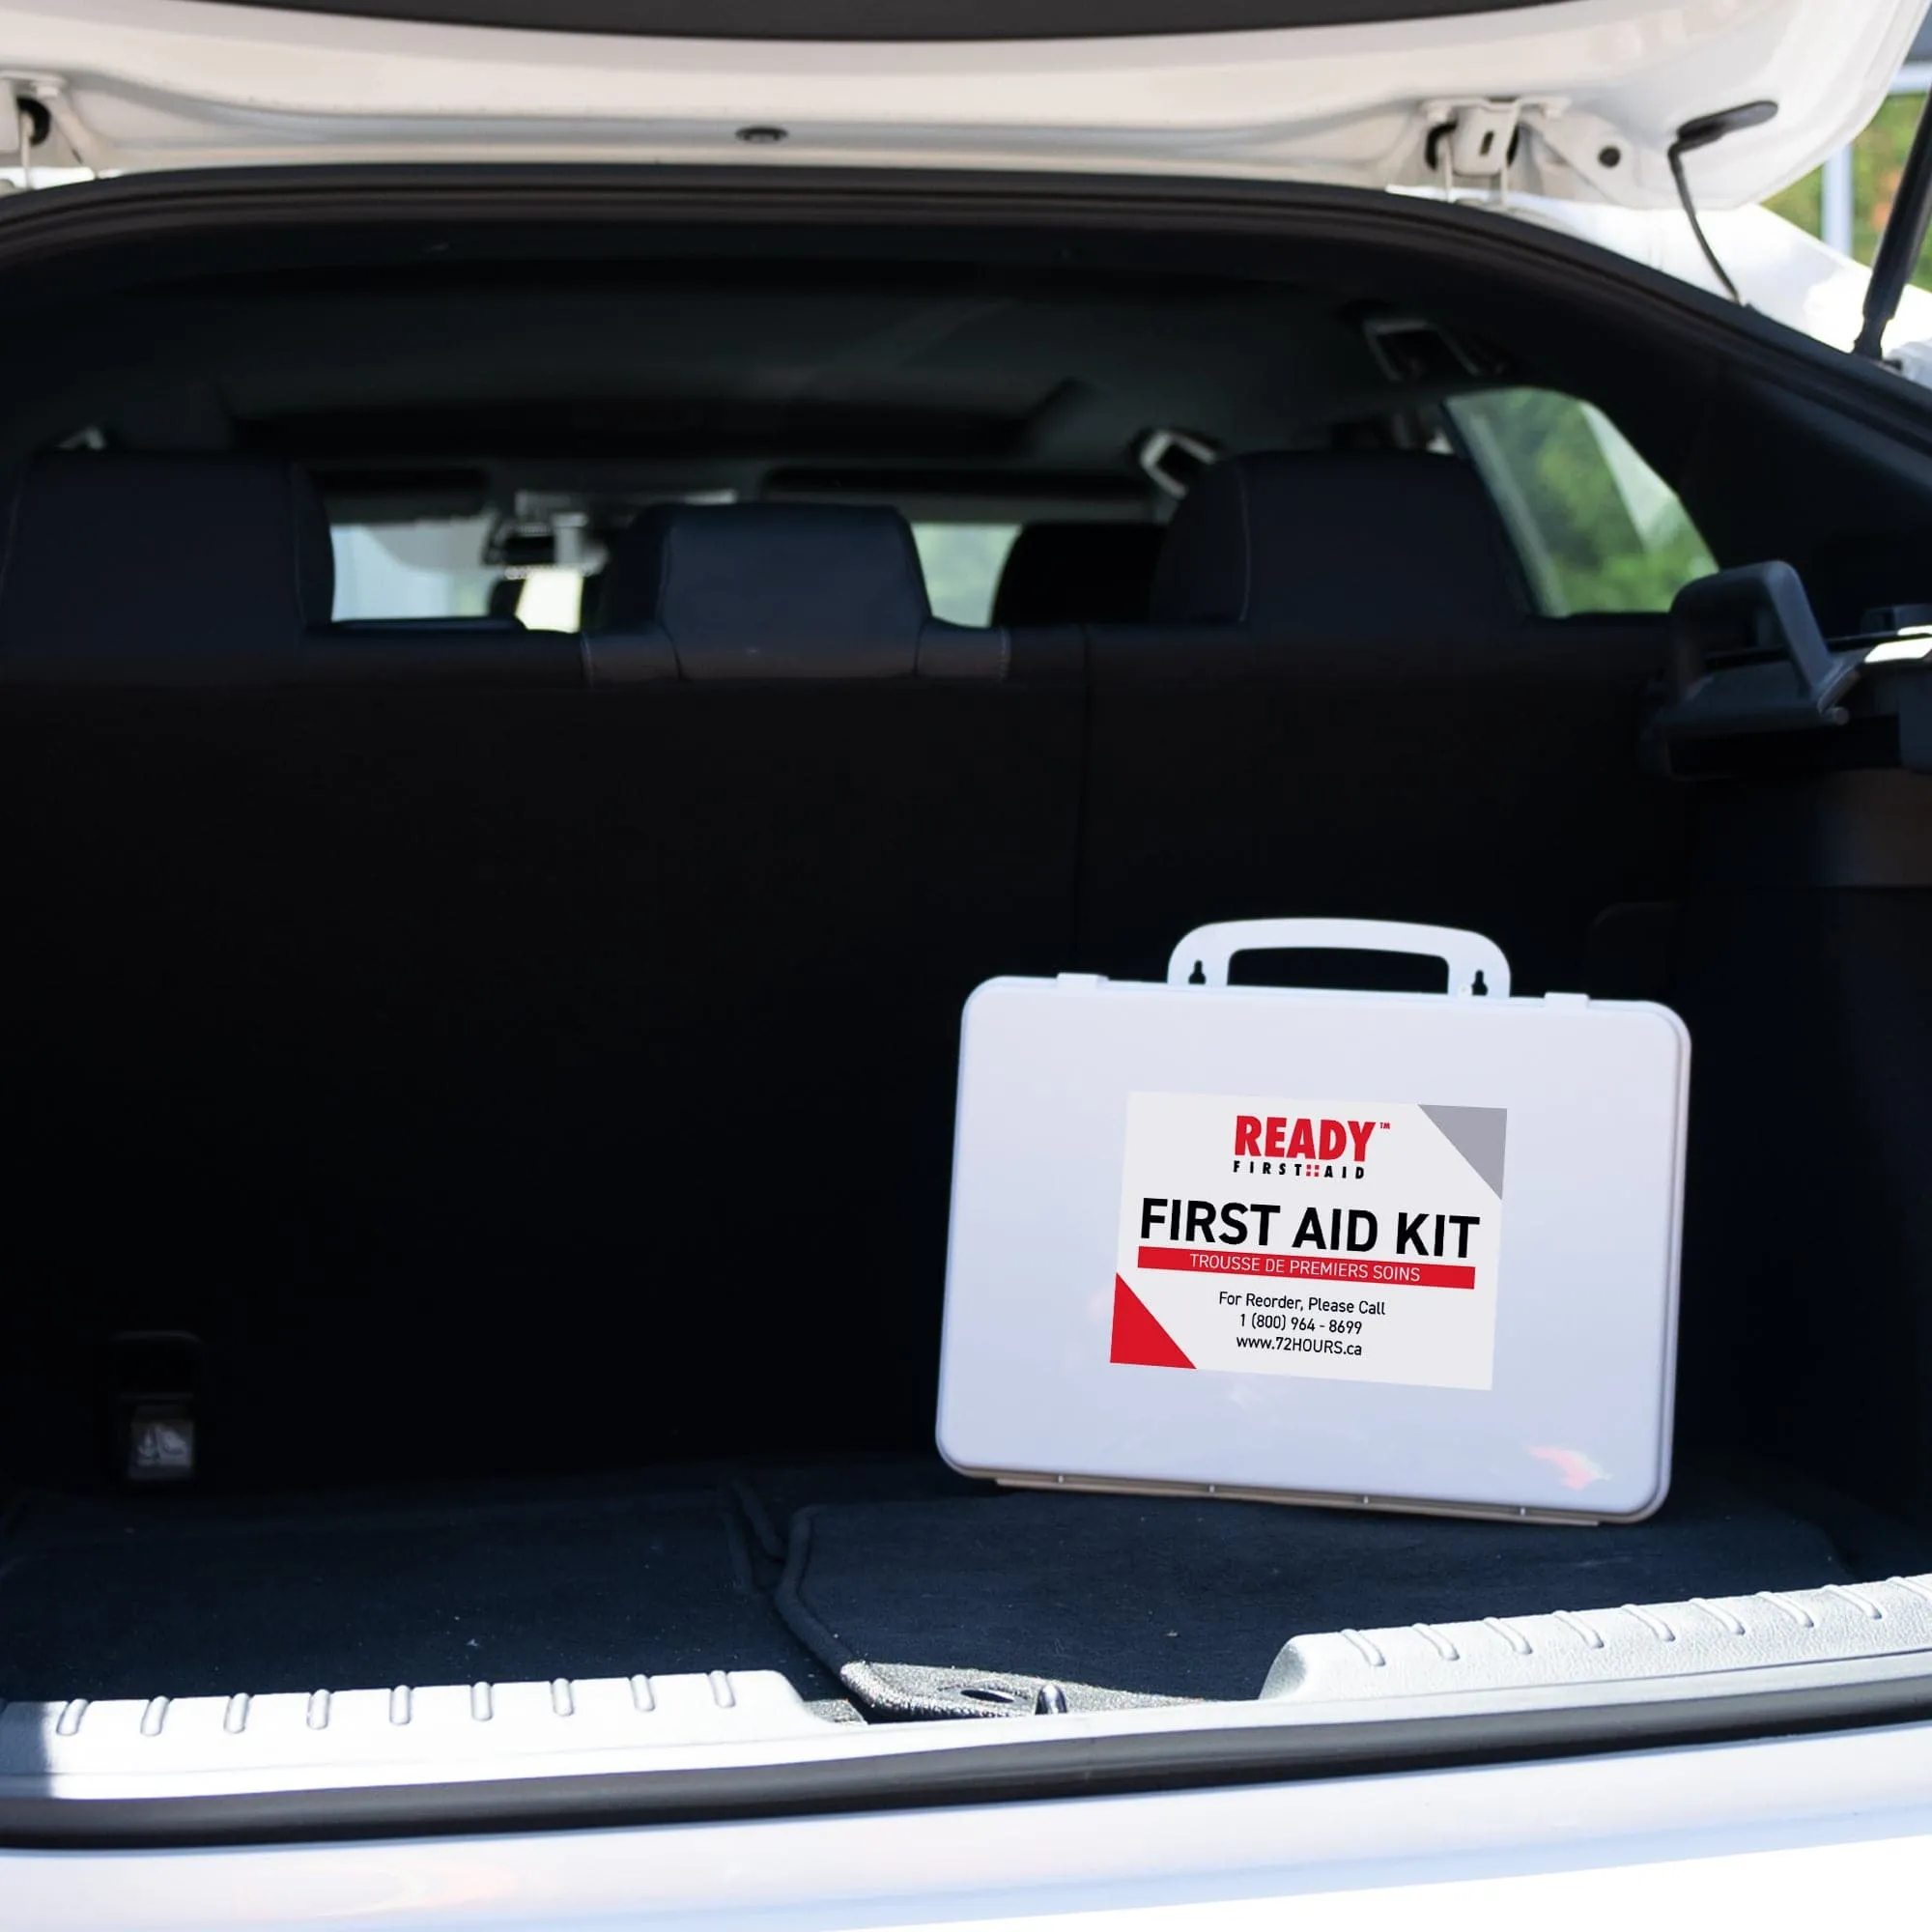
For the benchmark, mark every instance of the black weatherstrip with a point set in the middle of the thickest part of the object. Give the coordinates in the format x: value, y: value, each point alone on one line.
x: 899, y: 19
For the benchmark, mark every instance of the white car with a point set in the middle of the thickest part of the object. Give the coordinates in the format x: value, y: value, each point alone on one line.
x: 574, y: 576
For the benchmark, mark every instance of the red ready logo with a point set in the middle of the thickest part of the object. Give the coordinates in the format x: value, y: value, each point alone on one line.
x: 1275, y: 1137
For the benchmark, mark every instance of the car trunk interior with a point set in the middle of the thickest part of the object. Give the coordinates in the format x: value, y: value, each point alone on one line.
x: 510, y: 1120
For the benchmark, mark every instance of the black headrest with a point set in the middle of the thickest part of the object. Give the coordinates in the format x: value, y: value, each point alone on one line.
x: 774, y: 590
x: 1343, y: 542
x: 1078, y: 574
x: 118, y: 565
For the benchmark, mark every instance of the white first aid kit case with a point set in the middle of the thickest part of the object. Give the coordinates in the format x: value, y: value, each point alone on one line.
x: 1411, y: 1251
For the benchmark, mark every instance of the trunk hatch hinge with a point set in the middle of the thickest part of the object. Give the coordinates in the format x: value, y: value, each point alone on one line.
x: 1477, y: 139
x: 39, y: 139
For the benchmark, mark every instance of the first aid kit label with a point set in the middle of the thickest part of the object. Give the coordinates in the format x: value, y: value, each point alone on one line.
x: 1347, y: 1239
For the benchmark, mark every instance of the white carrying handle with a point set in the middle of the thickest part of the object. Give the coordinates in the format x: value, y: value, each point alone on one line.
x: 1468, y: 956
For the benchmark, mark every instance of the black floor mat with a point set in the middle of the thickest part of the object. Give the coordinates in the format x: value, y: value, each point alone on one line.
x: 180, y: 1597
x: 963, y: 1605
x: 916, y: 1591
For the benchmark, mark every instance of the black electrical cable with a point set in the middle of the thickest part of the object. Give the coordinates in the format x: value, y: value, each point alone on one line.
x: 1899, y: 246
x: 1700, y: 133
x: 1718, y: 269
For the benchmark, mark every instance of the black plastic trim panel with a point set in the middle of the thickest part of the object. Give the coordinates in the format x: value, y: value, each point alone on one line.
x: 899, y: 19
x: 145, y: 208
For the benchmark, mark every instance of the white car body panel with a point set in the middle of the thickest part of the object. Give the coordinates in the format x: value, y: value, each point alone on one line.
x: 141, y: 84
x: 144, y: 85
x: 1789, y: 1833
x: 1775, y: 1833
x: 1780, y: 270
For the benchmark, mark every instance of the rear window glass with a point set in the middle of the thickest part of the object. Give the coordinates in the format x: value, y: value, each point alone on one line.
x: 962, y: 564
x: 1596, y: 529
x: 437, y: 570
x: 412, y: 570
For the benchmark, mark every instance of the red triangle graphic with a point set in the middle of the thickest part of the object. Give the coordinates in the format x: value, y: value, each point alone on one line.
x: 1138, y: 1336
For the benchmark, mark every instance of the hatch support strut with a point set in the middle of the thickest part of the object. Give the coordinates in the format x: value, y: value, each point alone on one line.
x: 1899, y: 246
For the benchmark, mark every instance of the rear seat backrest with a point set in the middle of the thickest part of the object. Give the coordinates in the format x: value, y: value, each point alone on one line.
x: 126, y: 568
x: 1359, y: 543
x: 1078, y: 574
x: 439, y: 1026
x: 213, y: 571
x: 771, y: 591
x: 1342, y: 709
x: 446, y: 1025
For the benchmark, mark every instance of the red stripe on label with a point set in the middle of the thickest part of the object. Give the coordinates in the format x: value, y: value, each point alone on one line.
x: 1309, y: 1268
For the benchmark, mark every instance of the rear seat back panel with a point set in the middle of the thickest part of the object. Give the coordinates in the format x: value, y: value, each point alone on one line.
x: 565, y: 1076
x: 125, y: 568
x: 765, y: 591
x: 1235, y: 777
x: 572, y: 1069
x: 1341, y: 543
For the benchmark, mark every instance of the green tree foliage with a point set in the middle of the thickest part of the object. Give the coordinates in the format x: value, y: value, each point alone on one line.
x: 1878, y: 161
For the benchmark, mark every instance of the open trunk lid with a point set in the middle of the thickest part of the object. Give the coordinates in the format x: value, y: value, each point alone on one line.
x: 1567, y: 98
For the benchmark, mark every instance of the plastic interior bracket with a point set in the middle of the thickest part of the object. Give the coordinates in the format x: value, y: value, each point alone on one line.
x: 1758, y: 608
x: 1476, y: 965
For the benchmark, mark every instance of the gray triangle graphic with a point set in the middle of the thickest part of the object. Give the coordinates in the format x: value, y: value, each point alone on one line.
x: 1477, y: 1134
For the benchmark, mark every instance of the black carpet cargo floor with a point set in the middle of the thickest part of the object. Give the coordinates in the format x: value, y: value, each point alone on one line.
x: 971, y: 1602
x: 888, y: 1579
x: 180, y: 1596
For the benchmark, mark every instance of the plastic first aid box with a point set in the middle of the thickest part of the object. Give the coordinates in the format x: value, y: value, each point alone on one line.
x: 1386, y: 1250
